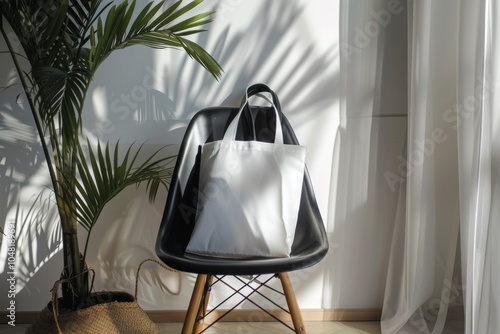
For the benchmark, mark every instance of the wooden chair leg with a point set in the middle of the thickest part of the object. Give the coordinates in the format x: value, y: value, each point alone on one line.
x: 293, y: 306
x: 203, y: 311
x: 194, y: 305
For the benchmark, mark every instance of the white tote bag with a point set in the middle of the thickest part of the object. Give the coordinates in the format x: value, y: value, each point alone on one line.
x: 249, y: 194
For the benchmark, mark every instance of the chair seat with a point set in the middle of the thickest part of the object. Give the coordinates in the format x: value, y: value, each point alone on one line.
x: 209, y: 265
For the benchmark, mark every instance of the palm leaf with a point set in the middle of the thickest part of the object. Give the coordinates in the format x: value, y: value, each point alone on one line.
x: 150, y: 30
x: 102, y: 176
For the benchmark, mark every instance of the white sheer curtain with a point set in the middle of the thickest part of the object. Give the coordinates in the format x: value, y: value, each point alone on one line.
x: 444, y: 271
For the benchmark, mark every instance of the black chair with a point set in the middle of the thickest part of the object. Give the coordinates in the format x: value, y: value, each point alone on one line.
x: 310, y: 244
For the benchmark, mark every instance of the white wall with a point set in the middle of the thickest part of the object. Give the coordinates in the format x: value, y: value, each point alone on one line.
x: 143, y: 94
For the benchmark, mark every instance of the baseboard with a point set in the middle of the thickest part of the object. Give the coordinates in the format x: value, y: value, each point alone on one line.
x: 27, y: 317
x: 256, y: 315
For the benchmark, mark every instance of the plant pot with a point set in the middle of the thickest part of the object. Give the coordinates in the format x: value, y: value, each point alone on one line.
x: 107, y: 312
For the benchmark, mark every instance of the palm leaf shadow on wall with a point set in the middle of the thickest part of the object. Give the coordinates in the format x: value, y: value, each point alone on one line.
x: 306, y: 87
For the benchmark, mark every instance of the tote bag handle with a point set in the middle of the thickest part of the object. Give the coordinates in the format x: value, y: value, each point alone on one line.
x: 230, y: 134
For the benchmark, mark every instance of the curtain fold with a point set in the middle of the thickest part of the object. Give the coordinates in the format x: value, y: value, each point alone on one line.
x: 478, y: 126
x: 422, y: 258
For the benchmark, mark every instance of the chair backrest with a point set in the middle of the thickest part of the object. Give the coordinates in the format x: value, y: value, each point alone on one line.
x: 310, y: 243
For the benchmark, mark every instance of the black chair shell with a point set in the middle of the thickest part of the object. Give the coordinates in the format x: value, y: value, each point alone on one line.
x: 310, y: 244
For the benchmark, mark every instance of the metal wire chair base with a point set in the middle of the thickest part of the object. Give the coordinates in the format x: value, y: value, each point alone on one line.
x: 253, y: 285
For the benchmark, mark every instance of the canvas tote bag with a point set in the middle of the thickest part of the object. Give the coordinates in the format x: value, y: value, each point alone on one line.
x: 249, y: 193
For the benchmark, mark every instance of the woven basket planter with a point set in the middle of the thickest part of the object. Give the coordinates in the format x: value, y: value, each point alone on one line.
x: 114, y: 313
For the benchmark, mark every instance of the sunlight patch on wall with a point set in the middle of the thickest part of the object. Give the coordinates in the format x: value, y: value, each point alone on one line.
x: 100, y: 104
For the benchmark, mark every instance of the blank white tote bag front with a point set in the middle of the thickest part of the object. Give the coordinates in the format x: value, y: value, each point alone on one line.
x: 249, y: 194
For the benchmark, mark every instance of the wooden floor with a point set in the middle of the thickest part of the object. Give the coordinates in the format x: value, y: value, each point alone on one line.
x: 318, y: 327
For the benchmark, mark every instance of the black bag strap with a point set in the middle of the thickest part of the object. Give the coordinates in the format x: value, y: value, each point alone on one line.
x: 262, y: 88
x: 254, y: 90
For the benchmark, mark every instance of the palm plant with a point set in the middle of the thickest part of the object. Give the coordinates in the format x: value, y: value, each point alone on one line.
x: 65, y: 42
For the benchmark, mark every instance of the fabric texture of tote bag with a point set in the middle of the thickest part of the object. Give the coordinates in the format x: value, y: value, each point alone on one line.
x: 249, y: 193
